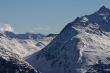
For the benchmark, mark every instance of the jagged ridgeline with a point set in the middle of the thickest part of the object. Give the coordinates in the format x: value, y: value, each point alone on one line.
x: 83, y: 46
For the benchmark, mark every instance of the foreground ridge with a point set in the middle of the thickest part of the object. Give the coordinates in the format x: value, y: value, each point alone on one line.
x: 83, y: 46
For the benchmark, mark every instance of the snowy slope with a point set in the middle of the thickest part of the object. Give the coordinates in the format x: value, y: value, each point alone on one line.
x: 14, y: 48
x: 11, y: 63
x: 83, y: 43
x: 23, y: 47
x: 22, y: 44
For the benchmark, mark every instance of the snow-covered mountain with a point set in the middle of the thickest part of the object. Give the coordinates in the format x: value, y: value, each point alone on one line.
x: 11, y: 63
x: 9, y: 32
x: 24, y: 36
x: 14, y: 48
x: 83, y: 46
x: 22, y: 44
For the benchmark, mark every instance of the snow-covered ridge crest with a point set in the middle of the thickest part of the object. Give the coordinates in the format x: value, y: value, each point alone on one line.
x: 6, y: 27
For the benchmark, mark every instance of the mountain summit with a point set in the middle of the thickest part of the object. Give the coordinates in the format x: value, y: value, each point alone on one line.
x: 103, y: 9
x: 83, y: 46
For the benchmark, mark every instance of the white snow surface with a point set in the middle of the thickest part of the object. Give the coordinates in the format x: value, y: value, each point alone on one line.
x: 94, y: 47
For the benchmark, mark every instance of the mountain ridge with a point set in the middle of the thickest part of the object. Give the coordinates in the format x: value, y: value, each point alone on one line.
x: 76, y: 48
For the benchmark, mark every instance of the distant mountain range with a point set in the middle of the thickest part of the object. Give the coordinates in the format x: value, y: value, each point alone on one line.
x: 24, y: 36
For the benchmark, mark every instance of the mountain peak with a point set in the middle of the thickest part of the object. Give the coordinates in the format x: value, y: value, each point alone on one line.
x: 79, y: 47
x: 103, y: 7
x: 104, y: 10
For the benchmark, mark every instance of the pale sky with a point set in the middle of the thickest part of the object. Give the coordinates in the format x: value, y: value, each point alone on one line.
x: 45, y: 16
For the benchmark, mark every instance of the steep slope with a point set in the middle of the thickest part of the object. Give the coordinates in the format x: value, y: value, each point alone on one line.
x: 11, y: 63
x: 83, y: 43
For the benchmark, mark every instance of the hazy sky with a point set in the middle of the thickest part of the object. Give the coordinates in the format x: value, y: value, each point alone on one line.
x: 45, y: 16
